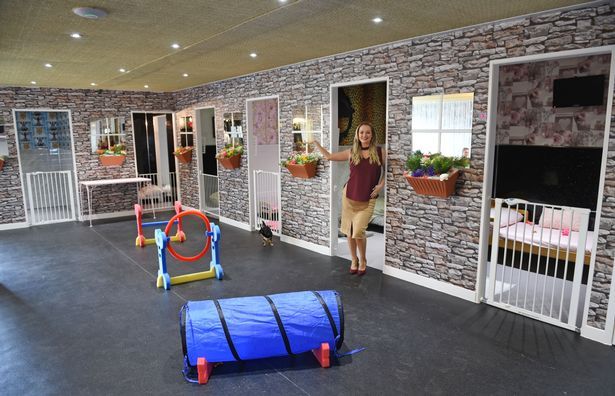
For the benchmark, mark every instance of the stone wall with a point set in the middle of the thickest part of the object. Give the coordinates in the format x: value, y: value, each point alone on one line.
x: 85, y: 106
x: 432, y: 237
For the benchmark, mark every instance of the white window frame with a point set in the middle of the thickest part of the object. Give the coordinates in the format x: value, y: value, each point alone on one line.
x: 439, y: 130
x: 307, y: 123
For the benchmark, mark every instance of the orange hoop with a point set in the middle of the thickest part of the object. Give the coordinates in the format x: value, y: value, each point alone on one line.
x: 179, y: 216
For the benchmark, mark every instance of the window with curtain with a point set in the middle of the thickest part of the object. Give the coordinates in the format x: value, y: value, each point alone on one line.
x: 443, y: 124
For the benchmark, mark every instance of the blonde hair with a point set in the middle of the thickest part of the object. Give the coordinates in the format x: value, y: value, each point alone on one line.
x: 355, y: 153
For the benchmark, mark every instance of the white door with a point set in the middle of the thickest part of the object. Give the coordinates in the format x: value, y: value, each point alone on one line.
x: 162, y: 157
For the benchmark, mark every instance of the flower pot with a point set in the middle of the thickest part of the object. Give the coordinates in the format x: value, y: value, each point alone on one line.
x: 432, y: 186
x: 111, y: 160
x: 231, y: 162
x: 185, y: 157
x: 1, y: 164
x: 304, y: 171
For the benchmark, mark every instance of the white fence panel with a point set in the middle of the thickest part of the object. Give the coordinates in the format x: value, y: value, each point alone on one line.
x: 156, y: 195
x: 51, y: 197
x: 537, y: 259
x: 210, y: 200
x: 267, y: 200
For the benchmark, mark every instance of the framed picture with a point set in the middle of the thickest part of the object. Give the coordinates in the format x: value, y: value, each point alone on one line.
x: 563, y: 122
x: 519, y: 101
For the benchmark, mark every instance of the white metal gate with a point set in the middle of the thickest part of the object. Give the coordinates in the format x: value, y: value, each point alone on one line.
x: 210, y: 199
x: 267, y: 200
x: 537, y: 258
x: 158, y: 194
x: 51, y: 197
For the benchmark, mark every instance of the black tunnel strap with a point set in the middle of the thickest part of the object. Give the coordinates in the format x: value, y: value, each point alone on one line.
x: 326, y: 308
x: 280, y: 326
x: 182, y: 327
x: 226, y: 332
x: 340, y: 310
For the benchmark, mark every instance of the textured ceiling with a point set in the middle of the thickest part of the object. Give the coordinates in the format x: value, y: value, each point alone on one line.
x: 216, y: 36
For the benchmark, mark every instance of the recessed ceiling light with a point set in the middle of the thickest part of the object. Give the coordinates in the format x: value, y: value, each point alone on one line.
x: 48, y: 65
x: 75, y: 35
x: 282, y: 1
x: 175, y: 45
x: 33, y: 82
x: 146, y: 86
x: 90, y: 12
x: 93, y: 84
x: 253, y: 55
x: 377, y: 20
x: 185, y: 74
x: 122, y: 70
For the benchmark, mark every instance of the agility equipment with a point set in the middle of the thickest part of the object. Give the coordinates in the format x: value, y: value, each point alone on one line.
x: 142, y: 240
x: 244, y: 328
x: 163, y: 242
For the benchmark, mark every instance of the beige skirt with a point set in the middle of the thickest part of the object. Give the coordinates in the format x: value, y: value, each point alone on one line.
x: 356, y: 216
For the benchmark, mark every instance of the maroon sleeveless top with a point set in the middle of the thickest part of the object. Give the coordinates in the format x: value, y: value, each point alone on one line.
x: 363, y: 178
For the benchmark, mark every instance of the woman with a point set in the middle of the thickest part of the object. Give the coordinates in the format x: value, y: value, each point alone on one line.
x: 366, y: 181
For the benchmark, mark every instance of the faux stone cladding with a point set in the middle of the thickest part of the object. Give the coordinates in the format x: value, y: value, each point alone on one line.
x: 85, y: 106
x: 436, y: 238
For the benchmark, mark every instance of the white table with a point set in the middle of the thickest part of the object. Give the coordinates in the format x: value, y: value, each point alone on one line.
x: 90, y: 184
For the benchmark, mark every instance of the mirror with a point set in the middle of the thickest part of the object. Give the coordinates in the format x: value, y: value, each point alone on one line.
x: 443, y: 124
x: 233, y: 131
x: 107, y: 133
x: 307, y: 126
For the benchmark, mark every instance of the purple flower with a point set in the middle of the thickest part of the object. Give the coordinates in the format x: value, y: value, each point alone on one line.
x: 431, y: 171
x: 418, y: 173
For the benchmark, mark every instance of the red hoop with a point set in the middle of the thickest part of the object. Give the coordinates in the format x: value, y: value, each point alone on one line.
x: 179, y: 216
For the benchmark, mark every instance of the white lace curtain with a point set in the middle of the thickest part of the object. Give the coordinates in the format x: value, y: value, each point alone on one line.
x: 442, y: 124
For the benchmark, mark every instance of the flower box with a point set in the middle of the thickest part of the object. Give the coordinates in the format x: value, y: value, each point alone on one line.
x: 303, y: 171
x: 184, y: 155
x: 231, y: 162
x: 111, y: 160
x: 1, y: 163
x: 433, y: 185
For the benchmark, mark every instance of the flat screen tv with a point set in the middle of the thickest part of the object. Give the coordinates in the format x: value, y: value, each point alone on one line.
x: 567, y: 176
x: 579, y: 91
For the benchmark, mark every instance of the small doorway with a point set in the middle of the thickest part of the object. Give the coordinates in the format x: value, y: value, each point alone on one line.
x: 263, y: 162
x: 208, y: 166
x: 153, y: 140
x: 47, y: 163
x: 351, y: 104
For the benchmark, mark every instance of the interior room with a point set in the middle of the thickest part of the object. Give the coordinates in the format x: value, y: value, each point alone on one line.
x: 185, y: 209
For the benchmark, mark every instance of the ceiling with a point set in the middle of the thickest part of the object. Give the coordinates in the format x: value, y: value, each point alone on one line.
x: 216, y: 36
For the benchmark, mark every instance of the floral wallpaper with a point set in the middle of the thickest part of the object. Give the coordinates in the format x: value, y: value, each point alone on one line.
x: 265, y: 121
x: 525, y: 104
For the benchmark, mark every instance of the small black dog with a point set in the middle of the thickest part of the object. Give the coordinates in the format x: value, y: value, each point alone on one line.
x: 266, y: 234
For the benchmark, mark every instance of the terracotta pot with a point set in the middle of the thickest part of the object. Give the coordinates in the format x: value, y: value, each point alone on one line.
x: 231, y: 162
x: 185, y: 157
x: 111, y: 160
x: 1, y: 164
x: 304, y: 171
x: 433, y: 187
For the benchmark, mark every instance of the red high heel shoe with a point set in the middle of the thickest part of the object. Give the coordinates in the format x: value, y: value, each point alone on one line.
x: 354, y: 267
x: 362, y: 272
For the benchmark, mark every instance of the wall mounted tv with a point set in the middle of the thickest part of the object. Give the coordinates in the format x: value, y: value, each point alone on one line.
x: 579, y: 91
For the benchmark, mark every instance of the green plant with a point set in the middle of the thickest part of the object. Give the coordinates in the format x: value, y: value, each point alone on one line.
x: 118, y: 149
x: 296, y: 158
x: 419, y: 164
x: 181, y: 150
x: 230, y: 151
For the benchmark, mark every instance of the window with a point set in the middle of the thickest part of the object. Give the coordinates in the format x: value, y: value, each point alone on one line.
x: 106, y: 133
x: 443, y: 124
x: 307, y: 126
x: 186, y: 132
x: 233, y: 133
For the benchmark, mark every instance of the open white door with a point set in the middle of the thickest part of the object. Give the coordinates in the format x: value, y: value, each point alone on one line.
x: 162, y: 158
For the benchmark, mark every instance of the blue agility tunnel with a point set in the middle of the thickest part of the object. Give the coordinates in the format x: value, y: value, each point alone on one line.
x: 244, y: 328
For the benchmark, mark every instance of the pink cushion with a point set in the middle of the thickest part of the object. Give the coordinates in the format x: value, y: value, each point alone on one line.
x: 554, y: 218
x: 507, y: 216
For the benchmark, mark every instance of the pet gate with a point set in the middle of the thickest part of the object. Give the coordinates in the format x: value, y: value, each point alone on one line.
x: 267, y: 200
x: 538, y: 254
x: 50, y: 197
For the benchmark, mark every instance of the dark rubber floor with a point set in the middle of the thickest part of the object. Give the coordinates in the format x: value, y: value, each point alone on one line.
x: 80, y: 314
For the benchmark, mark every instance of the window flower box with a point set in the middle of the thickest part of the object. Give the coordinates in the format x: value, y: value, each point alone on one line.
x: 230, y: 157
x: 437, y: 186
x: 111, y: 160
x: 433, y: 174
x: 184, y: 154
x: 2, y: 159
x: 301, y: 165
